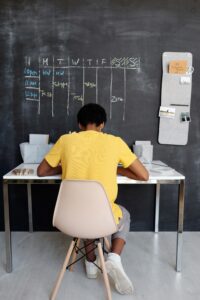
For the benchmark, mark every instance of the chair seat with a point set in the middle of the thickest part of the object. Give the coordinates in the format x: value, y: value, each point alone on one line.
x: 83, y: 211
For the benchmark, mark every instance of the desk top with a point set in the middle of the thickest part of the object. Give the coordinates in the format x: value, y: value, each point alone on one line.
x: 157, y: 171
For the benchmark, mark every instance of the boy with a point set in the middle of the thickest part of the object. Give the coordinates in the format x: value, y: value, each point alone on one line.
x: 93, y: 155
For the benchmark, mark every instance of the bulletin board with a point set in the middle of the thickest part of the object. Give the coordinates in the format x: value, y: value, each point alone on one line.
x: 176, y: 90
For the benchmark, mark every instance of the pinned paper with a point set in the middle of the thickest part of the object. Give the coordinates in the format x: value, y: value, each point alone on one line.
x: 178, y: 66
x: 185, y: 80
x: 167, y: 112
x: 39, y: 139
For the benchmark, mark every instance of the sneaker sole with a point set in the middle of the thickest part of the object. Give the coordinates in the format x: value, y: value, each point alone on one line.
x: 92, y: 276
x: 122, y: 283
x: 95, y: 275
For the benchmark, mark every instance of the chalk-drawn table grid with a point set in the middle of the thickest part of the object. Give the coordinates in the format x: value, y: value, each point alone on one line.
x: 57, y: 66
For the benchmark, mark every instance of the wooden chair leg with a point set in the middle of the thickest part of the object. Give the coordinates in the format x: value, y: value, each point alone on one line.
x: 107, y: 243
x: 62, y: 272
x: 74, y: 255
x: 105, y: 275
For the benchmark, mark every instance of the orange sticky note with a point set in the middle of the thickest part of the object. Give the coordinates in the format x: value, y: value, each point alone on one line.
x: 178, y: 67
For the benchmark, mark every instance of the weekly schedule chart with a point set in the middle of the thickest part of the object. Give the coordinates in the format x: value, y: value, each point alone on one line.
x: 75, y: 79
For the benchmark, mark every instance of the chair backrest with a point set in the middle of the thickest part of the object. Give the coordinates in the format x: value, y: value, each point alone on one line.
x: 83, y: 210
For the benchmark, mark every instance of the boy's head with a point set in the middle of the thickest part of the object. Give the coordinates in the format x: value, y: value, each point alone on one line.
x: 91, y: 114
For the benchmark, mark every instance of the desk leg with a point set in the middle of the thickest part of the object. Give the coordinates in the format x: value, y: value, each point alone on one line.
x: 157, y: 207
x: 30, y: 213
x: 180, y: 225
x: 7, y: 229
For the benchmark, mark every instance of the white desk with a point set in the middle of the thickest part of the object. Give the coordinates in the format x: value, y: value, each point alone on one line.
x: 159, y: 174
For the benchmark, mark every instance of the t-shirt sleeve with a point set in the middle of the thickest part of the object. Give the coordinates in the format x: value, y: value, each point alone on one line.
x: 126, y: 156
x: 53, y: 157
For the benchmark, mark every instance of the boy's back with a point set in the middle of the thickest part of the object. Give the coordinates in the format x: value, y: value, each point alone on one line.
x: 92, y: 155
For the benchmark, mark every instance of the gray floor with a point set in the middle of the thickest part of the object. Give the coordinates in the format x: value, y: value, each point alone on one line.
x: 149, y: 260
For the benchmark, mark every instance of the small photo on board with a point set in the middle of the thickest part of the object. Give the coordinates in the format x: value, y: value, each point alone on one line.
x: 167, y: 112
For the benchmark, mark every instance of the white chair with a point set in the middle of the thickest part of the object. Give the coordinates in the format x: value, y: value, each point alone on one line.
x: 83, y: 211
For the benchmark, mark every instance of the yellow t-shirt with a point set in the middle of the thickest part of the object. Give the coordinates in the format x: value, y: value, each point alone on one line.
x: 92, y: 155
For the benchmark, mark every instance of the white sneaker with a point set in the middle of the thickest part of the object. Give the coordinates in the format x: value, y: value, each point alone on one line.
x: 115, y: 270
x: 91, y: 269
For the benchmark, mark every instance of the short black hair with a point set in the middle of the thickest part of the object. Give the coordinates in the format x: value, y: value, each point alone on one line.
x: 91, y: 113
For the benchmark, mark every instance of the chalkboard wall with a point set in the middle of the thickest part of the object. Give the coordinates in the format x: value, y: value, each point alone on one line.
x: 75, y: 52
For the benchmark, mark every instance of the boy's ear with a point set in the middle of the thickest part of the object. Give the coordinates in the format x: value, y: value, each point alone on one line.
x: 81, y: 126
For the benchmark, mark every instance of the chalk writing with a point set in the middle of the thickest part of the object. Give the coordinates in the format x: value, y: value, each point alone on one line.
x: 78, y: 98
x: 46, y: 93
x: 31, y: 94
x: 31, y: 83
x: 52, y: 74
x: 115, y: 62
x: 46, y: 72
x: 128, y: 62
x: 115, y: 99
x: 60, y: 84
x: 59, y: 73
x: 30, y: 72
x: 90, y: 84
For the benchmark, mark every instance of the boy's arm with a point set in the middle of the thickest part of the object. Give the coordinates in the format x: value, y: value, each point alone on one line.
x: 135, y: 171
x: 44, y: 169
